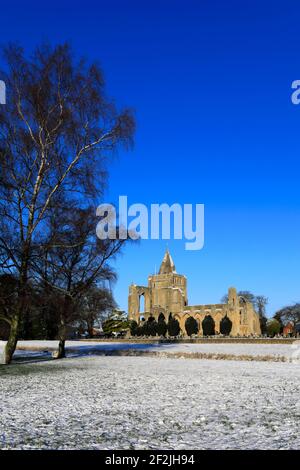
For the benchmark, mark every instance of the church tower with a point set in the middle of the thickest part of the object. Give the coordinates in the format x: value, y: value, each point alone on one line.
x: 168, y: 289
x: 166, y: 293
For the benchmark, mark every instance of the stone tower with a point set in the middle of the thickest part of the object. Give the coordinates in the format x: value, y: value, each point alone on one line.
x: 165, y: 294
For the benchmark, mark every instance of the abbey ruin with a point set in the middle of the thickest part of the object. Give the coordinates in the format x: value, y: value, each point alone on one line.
x: 166, y: 296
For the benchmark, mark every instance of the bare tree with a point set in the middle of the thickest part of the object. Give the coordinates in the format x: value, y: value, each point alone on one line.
x: 247, y: 295
x: 290, y: 313
x: 71, y: 263
x: 56, y: 132
x: 260, y: 304
x: 97, y: 304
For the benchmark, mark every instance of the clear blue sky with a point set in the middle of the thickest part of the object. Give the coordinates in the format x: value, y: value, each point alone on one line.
x: 210, y: 82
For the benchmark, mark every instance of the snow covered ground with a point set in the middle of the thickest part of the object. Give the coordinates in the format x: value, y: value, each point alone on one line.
x: 115, y: 402
x: 75, y: 348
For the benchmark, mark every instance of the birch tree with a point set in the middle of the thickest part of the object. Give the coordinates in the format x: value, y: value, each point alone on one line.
x: 57, y: 132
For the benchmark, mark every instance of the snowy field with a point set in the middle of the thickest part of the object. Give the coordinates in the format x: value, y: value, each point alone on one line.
x: 106, y: 402
x: 77, y: 348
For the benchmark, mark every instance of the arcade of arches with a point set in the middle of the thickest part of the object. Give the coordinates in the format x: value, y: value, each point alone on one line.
x: 166, y: 296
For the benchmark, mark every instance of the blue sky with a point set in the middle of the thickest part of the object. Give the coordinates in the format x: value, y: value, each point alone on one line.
x: 210, y: 82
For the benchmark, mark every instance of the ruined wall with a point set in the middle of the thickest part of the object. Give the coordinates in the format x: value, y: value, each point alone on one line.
x: 166, y: 294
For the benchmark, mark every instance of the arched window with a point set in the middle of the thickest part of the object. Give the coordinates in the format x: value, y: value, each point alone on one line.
x: 142, y: 303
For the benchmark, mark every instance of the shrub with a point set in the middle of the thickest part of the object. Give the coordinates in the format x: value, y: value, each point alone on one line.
x: 208, y: 326
x: 138, y: 331
x: 191, y: 326
x: 225, y: 326
x: 144, y: 329
x: 173, y: 327
x: 152, y: 327
x: 273, y: 327
x: 133, y: 328
x: 162, y: 328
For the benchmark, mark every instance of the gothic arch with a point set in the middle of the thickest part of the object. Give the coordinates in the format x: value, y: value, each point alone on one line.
x: 142, y: 303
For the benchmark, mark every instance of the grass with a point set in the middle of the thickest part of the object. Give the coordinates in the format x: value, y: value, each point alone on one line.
x: 194, y: 340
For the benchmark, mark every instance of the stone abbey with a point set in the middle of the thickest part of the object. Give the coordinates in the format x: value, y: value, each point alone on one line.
x: 166, y: 295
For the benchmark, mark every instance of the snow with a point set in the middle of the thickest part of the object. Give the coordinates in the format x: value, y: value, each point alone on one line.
x: 116, y: 402
x: 233, y: 349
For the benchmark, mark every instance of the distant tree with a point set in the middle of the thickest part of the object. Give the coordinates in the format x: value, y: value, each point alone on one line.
x: 30, y: 326
x: 8, y: 302
x: 145, y: 329
x: 116, y: 323
x: 208, y: 326
x: 273, y: 327
x: 282, y: 325
x: 133, y: 327
x: 162, y: 327
x: 247, y: 295
x: 263, y: 324
x: 139, y: 331
x: 41, y: 317
x: 290, y: 313
x: 45, y: 323
x: 225, y: 326
x: 152, y: 328
x: 8, y: 296
x: 97, y: 303
x: 173, y: 327
x: 149, y: 327
x: 191, y: 326
x: 260, y: 305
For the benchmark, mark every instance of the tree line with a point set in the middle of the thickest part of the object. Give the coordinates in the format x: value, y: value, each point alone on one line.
x: 151, y: 327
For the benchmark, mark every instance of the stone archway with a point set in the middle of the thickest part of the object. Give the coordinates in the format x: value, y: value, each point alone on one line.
x: 142, y: 303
